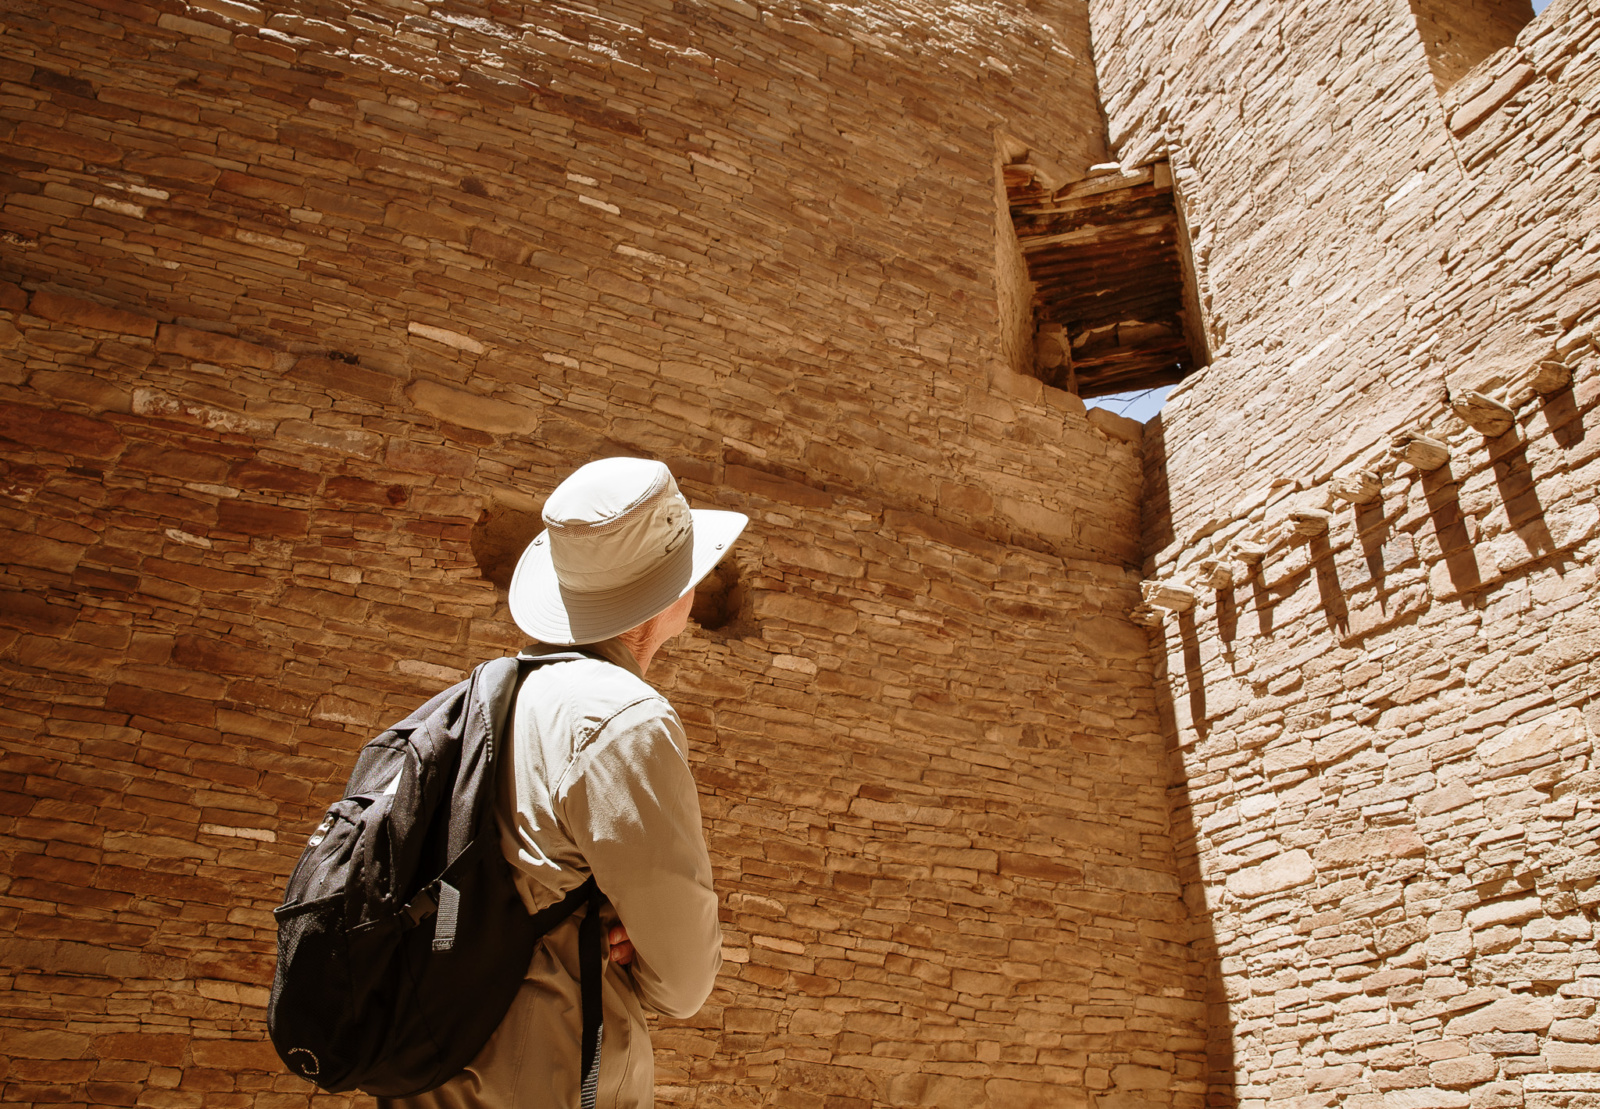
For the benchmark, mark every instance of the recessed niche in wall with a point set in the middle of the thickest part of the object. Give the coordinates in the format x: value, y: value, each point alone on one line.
x: 507, y: 525
x: 1458, y: 34
x: 1115, y: 304
x: 719, y: 599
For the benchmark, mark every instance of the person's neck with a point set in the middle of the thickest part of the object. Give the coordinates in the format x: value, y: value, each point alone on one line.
x: 642, y: 643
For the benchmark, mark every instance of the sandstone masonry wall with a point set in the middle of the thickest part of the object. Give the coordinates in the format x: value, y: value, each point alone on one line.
x: 1385, y: 713
x: 289, y: 295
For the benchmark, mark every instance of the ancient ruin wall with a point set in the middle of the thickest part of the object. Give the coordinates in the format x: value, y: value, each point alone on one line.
x: 1458, y: 35
x: 1384, y: 712
x: 289, y: 297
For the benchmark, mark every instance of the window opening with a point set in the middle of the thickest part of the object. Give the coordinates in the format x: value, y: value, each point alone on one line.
x: 1136, y: 404
x: 1458, y: 34
x: 1114, y: 303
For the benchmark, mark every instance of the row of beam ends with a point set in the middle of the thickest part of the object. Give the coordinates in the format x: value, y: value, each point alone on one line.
x: 1422, y: 452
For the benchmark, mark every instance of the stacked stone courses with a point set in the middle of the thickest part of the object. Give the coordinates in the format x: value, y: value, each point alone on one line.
x: 303, y: 307
x: 294, y: 299
x: 1376, y: 591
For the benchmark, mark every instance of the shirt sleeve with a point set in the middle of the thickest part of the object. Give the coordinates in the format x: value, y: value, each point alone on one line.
x: 630, y: 806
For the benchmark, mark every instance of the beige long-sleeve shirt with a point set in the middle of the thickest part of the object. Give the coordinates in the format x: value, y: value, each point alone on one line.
x: 596, y: 780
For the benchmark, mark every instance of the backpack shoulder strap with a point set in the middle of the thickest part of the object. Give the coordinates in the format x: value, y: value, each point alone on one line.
x: 591, y: 935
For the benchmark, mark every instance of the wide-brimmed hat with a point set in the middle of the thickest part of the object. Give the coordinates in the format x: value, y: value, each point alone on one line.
x: 620, y: 545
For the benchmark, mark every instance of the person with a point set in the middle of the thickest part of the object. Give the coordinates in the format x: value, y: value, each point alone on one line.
x: 595, y: 781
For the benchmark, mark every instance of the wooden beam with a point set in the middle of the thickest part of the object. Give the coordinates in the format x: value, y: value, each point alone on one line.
x: 1152, y: 380
x: 1107, y: 182
x: 1132, y: 229
x: 1100, y: 202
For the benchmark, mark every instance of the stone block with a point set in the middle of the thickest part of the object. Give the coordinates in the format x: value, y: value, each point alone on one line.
x: 1516, y: 911
x: 1282, y: 872
x: 1424, y: 1097
x: 775, y: 488
x: 46, y: 1044
x: 343, y: 379
x: 188, y: 171
x: 1118, y: 427
x: 1534, y: 739
x: 502, y: 248
x: 31, y: 613
x: 236, y: 1056
x: 1106, y: 637
x: 421, y: 459
x: 1169, y: 595
x: 1356, y: 487
x: 1420, y: 451
x: 1307, y: 522
x: 495, y: 415
x: 91, y: 391
x: 1476, y: 110
x: 163, y: 406
x: 1510, y: 1014
x: 40, y: 552
x: 1367, y: 847
x: 252, y: 518
x: 261, y: 188
x: 445, y: 337
x: 1550, y: 377
x: 157, y: 705
x: 256, y: 474
x: 792, y: 608
x: 90, y: 315
x: 209, y: 346
x: 152, y: 1047
x: 58, y: 141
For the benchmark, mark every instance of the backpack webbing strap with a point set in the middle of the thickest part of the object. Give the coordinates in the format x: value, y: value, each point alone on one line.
x: 591, y: 951
x: 444, y: 928
x: 591, y: 933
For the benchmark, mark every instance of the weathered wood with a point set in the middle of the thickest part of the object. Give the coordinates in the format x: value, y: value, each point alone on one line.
x: 1155, y: 225
x: 1094, y: 186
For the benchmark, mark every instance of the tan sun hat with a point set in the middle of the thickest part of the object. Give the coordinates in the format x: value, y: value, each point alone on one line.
x: 620, y: 545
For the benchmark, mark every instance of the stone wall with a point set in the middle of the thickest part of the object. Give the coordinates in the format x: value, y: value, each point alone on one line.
x: 290, y: 299
x: 1459, y: 35
x: 1384, y: 712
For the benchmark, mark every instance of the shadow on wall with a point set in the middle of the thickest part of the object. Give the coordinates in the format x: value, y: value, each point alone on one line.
x: 1220, y: 1074
x: 1486, y: 507
x: 1157, y: 509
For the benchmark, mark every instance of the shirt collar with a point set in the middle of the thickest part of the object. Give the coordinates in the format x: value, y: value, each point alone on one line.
x: 613, y: 650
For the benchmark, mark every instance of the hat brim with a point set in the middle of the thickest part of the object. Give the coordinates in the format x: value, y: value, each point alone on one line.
x: 551, y: 614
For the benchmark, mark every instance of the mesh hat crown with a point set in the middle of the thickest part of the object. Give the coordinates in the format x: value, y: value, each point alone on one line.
x: 620, y: 545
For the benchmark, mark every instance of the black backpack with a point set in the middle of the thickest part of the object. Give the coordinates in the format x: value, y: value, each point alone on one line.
x: 402, y: 939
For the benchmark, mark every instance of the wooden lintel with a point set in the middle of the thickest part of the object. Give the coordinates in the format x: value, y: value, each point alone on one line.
x: 1110, y: 182
x: 1097, y: 202
x: 1096, y: 387
x: 1155, y: 225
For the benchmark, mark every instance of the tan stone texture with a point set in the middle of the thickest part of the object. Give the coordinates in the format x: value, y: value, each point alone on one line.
x: 1385, y: 730
x: 317, y: 302
x: 303, y: 308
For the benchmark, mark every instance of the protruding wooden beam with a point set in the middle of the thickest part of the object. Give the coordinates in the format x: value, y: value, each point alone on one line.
x: 1417, y: 449
x: 1309, y: 522
x: 1168, y: 595
x: 1215, y: 573
x: 1484, y: 414
x: 1356, y: 487
x: 1551, y: 377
